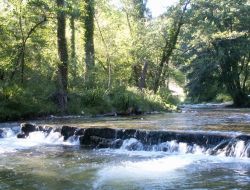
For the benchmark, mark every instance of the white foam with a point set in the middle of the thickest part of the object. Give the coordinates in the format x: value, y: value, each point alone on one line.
x: 239, y: 150
x: 131, y: 144
x: 151, y: 169
x: 8, y: 132
x: 10, y: 143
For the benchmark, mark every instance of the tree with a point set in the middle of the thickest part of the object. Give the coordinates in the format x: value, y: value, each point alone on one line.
x: 170, y: 44
x: 25, y: 38
x: 89, y: 41
x: 234, y: 59
x: 75, y: 11
x: 139, y: 71
x: 63, y: 56
x: 137, y: 16
x: 222, y: 29
x: 27, y: 18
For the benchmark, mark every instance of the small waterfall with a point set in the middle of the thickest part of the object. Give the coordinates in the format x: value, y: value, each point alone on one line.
x: 175, y: 147
x: 8, y: 132
x: 51, y: 138
x: 237, y: 149
x: 10, y: 143
x: 169, y: 147
x: 177, y: 142
x: 211, y: 143
x: 132, y: 144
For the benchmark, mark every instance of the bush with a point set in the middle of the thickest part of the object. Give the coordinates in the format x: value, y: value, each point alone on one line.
x: 168, y: 97
x: 17, y: 103
x: 223, y: 98
x: 118, y: 99
x: 131, y: 97
x: 91, y: 101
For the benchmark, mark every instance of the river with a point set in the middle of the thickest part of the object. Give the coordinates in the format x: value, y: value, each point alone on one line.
x: 48, y: 162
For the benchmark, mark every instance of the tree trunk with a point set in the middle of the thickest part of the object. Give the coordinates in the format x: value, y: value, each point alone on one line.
x: 136, y: 74
x: 63, y: 57
x: 23, y: 46
x: 73, y: 46
x: 240, y: 99
x: 22, y: 63
x: 2, y: 74
x: 142, y: 83
x: 89, y: 42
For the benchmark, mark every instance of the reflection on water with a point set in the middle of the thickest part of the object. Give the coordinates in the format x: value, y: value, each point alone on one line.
x: 213, y: 117
x: 47, y: 162
x: 216, y: 119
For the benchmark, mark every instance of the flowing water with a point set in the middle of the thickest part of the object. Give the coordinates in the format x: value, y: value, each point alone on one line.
x: 46, y: 161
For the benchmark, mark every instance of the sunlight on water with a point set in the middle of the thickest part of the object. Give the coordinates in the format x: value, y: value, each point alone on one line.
x: 168, y: 171
x: 151, y: 169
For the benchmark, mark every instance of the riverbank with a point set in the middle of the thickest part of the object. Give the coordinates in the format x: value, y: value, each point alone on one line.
x: 95, y: 102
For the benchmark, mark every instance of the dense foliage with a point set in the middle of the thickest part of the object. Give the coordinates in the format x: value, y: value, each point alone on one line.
x: 79, y: 57
x: 75, y: 57
x: 217, y: 47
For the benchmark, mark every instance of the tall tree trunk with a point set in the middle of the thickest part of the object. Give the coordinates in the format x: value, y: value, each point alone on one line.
x: 73, y: 45
x: 63, y: 57
x: 89, y: 42
x: 23, y: 44
x: 22, y: 62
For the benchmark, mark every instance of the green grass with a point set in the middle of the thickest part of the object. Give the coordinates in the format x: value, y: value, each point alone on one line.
x: 17, y: 103
x: 119, y: 99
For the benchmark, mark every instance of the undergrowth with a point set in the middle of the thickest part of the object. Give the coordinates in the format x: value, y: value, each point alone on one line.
x: 17, y: 103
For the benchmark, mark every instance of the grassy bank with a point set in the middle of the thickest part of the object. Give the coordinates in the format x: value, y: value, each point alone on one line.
x: 20, y: 103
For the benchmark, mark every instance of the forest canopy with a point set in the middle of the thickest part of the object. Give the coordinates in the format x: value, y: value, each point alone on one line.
x: 105, y: 56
